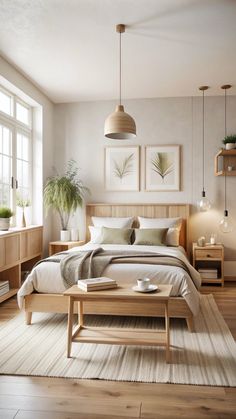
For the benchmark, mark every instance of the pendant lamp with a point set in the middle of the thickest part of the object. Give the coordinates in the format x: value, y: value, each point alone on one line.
x: 203, y: 203
x: 225, y: 224
x: 119, y: 125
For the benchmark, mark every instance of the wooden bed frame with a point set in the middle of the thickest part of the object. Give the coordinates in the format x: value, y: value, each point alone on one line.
x: 57, y: 303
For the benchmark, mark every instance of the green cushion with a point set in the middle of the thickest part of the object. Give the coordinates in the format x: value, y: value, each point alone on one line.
x: 115, y: 235
x: 150, y: 236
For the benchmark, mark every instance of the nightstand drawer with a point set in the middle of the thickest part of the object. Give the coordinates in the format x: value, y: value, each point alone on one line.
x: 208, y: 253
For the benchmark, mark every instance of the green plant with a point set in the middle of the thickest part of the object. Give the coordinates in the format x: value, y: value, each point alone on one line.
x: 5, y: 212
x: 21, y: 202
x: 229, y: 139
x: 65, y: 193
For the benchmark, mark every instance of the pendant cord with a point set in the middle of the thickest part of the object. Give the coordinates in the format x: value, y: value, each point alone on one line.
x: 203, y: 141
x: 120, y: 66
x: 225, y: 136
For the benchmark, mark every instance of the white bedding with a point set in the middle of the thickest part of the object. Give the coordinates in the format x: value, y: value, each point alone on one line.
x: 46, y: 277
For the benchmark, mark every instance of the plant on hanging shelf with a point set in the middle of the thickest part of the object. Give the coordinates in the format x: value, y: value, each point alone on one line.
x: 22, y: 203
x: 229, y: 141
x: 5, y: 215
x: 64, y: 194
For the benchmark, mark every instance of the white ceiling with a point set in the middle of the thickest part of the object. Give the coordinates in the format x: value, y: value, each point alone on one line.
x: 69, y: 48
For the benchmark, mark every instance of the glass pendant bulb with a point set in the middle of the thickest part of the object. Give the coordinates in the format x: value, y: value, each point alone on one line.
x: 225, y: 224
x: 204, y: 203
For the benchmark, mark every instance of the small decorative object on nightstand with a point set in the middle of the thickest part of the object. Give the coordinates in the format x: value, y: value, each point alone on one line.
x: 209, y: 261
x: 59, y: 246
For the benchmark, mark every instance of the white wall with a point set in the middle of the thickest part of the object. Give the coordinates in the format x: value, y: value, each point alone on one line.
x: 79, y: 134
x: 15, y: 78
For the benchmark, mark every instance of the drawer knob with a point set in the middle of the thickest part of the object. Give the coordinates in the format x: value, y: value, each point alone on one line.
x: 208, y: 255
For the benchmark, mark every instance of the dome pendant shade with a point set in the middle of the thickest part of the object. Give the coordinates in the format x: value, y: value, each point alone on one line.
x: 119, y: 125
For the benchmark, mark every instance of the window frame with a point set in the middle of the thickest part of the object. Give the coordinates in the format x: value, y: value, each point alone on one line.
x: 16, y: 127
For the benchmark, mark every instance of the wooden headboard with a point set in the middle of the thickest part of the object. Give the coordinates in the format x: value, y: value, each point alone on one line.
x: 142, y: 210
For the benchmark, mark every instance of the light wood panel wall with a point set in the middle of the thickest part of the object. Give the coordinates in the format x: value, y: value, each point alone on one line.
x: 142, y: 210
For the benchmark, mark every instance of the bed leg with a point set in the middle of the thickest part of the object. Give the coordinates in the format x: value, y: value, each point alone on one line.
x: 190, y: 324
x: 28, y: 317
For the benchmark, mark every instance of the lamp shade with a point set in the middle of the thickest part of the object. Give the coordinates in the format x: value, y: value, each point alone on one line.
x: 119, y: 125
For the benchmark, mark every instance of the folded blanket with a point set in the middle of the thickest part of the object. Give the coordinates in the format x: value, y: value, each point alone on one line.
x: 91, y: 263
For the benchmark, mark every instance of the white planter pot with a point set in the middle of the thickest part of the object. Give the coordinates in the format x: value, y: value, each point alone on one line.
x: 229, y: 146
x: 4, y: 224
x: 65, y: 235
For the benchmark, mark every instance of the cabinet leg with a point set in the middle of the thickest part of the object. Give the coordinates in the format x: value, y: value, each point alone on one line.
x: 28, y: 317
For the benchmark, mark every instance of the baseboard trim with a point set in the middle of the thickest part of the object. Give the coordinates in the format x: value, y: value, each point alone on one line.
x: 230, y: 278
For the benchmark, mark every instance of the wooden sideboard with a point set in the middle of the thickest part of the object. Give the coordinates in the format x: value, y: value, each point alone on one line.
x: 20, y: 249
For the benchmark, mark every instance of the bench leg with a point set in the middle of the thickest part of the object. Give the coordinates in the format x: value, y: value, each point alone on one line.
x: 28, y: 317
x: 190, y: 324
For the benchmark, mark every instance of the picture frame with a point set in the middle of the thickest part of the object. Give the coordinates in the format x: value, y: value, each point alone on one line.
x: 121, y: 168
x: 162, y: 168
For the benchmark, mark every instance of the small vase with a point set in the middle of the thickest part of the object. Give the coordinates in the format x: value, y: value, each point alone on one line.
x: 74, y: 233
x: 65, y: 235
x: 23, y: 222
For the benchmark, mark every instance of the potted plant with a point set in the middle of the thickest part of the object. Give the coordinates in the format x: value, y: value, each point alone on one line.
x: 230, y: 142
x: 5, y: 215
x: 64, y: 194
x: 22, y: 203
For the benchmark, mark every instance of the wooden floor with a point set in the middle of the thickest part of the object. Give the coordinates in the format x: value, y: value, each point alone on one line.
x: 57, y: 398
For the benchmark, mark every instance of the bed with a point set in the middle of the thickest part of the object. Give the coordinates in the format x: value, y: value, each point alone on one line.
x: 50, y: 299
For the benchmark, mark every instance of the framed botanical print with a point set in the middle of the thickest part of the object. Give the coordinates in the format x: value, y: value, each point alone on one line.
x: 122, y: 168
x: 162, y: 168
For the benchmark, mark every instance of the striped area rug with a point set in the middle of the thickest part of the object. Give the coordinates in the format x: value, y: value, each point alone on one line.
x: 207, y: 357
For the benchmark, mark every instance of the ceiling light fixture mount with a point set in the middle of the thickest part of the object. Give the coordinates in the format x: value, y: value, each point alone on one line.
x: 119, y: 125
x: 225, y: 224
x: 203, y: 203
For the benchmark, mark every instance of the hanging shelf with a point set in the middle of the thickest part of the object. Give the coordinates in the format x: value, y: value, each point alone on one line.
x: 223, y: 160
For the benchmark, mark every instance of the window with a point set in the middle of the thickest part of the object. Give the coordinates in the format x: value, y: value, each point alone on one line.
x: 5, y: 103
x: 5, y: 165
x: 15, y: 150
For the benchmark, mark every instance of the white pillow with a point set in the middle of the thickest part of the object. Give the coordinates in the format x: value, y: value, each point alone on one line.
x: 95, y: 234
x: 113, y: 222
x: 173, y: 225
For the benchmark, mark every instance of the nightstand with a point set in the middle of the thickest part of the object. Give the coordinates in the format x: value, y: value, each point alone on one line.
x: 210, y: 260
x: 59, y: 246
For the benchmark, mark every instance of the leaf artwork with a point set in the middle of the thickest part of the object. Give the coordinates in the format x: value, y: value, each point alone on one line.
x: 162, y: 164
x: 124, y: 168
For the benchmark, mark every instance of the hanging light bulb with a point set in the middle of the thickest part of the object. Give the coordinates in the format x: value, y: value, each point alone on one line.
x: 203, y: 203
x: 226, y: 224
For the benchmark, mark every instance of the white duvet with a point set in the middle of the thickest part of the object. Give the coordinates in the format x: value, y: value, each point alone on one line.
x: 46, y: 277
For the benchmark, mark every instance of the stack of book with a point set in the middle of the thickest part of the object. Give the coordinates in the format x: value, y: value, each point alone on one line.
x: 208, y: 273
x: 96, y: 284
x: 4, y: 287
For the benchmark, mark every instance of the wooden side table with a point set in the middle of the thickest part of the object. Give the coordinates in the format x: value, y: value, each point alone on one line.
x: 117, y: 336
x: 59, y: 246
x: 210, y: 256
